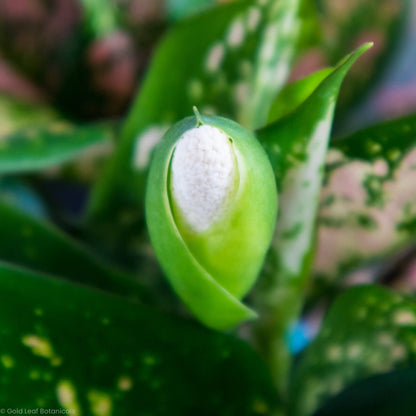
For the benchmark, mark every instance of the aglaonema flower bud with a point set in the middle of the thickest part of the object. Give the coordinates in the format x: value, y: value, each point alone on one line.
x: 211, y: 206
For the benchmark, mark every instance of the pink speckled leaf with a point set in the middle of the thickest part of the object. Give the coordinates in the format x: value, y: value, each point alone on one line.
x: 368, y: 201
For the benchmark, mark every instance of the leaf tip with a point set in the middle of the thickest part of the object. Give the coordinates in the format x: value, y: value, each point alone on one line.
x: 197, y: 115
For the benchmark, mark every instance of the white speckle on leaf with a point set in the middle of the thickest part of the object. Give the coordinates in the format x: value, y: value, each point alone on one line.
x: 39, y: 346
x: 67, y: 396
x: 385, y: 339
x: 42, y: 347
x: 269, y: 46
x: 124, y: 383
x: 334, y: 352
x: 203, y: 173
x: 404, y: 318
x: 145, y: 144
x: 354, y: 351
x: 253, y: 18
x: 398, y: 353
x: 215, y: 57
x: 236, y: 33
x: 241, y: 92
x: 100, y: 403
x: 294, y: 195
x: 334, y: 156
x: 381, y: 168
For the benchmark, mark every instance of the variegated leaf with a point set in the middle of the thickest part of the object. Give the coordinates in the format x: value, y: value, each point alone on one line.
x: 17, y: 115
x: 369, y: 330
x: 40, y: 147
x: 297, y: 146
x: 368, y: 201
x: 68, y: 348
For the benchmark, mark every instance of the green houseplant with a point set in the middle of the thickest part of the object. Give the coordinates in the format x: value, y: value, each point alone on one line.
x: 89, y: 324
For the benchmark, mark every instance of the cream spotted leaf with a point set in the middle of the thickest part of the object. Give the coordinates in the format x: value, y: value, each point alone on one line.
x: 297, y: 146
x: 369, y: 330
x: 94, y: 354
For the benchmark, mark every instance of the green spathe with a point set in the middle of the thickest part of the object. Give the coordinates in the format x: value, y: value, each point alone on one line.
x: 213, y: 269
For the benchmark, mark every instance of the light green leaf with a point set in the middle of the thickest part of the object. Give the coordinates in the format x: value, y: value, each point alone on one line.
x: 74, y: 348
x: 369, y: 330
x: 222, y: 61
x: 297, y: 146
x: 36, y: 148
x: 36, y: 245
x: 368, y: 199
x: 295, y: 94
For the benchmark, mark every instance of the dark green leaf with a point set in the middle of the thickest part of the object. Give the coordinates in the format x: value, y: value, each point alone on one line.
x: 369, y: 330
x: 382, y: 395
x: 66, y: 347
x: 36, y: 245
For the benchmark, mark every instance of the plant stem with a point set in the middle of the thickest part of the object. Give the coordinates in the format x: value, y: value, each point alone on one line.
x: 271, y: 335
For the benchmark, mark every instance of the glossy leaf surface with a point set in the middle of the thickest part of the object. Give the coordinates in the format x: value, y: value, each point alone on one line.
x: 369, y: 330
x: 73, y: 348
x: 36, y: 245
x: 212, y: 269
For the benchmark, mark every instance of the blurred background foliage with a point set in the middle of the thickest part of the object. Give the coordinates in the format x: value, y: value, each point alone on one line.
x: 87, y: 58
